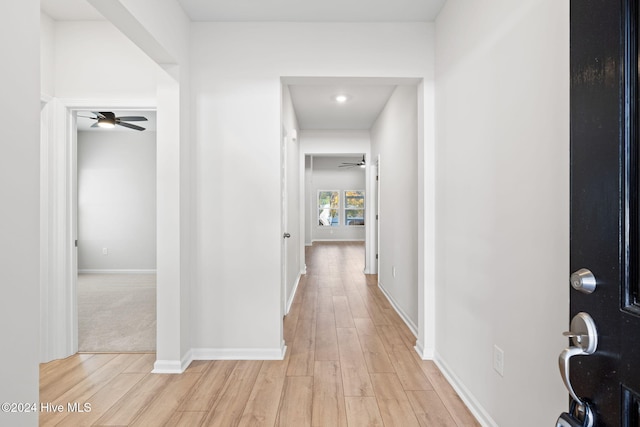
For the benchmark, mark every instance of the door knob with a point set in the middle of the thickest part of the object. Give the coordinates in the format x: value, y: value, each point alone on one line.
x: 286, y: 235
x: 584, y: 337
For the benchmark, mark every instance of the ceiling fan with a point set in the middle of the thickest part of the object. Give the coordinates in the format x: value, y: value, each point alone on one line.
x: 361, y: 163
x: 106, y: 119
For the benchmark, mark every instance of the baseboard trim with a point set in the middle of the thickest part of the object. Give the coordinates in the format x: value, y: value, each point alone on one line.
x: 467, y: 397
x: 179, y: 366
x: 173, y: 366
x: 239, y: 353
x: 424, y: 353
x: 412, y: 327
x: 337, y: 240
x: 101, y: 271
x: 293, y: 292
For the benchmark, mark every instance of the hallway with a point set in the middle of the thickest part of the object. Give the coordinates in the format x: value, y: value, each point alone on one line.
x: 350, y: 361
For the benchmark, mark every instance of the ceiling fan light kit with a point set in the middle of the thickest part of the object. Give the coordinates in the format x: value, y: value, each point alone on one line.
x: 106, y: 123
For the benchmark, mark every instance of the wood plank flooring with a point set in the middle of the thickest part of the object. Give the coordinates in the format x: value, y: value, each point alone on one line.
x: 350, y: 362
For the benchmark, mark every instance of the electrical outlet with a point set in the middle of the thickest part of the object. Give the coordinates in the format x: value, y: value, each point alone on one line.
x: 105, y: 251
x: 498, y: 360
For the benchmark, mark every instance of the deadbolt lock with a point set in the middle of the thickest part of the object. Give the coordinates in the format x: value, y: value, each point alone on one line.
x: 584, y: 281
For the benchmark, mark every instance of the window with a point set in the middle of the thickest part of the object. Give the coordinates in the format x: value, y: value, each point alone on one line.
x: 328, y: 208
x: 353, y: 207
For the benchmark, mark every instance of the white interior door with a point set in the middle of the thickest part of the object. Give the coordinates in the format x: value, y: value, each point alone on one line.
x: 285, y: 220
x: 377, y: 216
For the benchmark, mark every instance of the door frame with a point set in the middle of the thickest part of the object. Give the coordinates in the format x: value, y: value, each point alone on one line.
x: 59, y: 220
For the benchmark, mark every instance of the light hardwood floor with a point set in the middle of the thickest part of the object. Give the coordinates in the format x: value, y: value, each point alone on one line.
x: 350, y: 362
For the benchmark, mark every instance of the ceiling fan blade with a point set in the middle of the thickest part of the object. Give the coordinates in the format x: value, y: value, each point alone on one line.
x: 132, y: 119
x: 87, y: 117
x: 347, y: 166
x: 99, y: 115
x: 130, y: 126
x: 95, y: 125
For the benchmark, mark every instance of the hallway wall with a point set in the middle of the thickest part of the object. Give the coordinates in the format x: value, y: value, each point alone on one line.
x: 394, y: 137
x: 236, y: 71
x: 19, y: 218
x: 502, y: 73
x: 118, y: 69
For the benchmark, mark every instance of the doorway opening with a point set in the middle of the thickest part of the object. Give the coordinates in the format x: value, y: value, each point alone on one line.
x: 366, y: 119
x: 116, y: 231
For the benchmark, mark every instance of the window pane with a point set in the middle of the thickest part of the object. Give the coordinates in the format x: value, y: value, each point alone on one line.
x: 354, y: 199
x: 328, y: 208
x: 354, y: 216
x: 328, y: 217
x: 353, y: 207
x: 329, y: 199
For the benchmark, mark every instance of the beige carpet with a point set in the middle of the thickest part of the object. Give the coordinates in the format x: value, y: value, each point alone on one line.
x: 116, y: 312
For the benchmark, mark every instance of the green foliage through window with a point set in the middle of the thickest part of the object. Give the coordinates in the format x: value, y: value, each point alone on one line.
x: 329, y: 208
x: 354, y: 207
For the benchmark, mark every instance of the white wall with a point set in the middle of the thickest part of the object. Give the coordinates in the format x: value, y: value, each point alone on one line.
x: 394, y: 138
x: 94, y: 60
x: 503, y: 203
x: 236, y: 71
x: 19, y: 218
x: 47, y: 55
x: 117, y: 201
x: 161, y: 29
x: 325, y: 175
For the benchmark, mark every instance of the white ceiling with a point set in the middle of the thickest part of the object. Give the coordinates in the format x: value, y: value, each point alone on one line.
x: 316, y: 107
x: 313, y: 11
x: 70, y: 10
x: 312, y: 98
x: 274, y: 10
x: 84, y: 124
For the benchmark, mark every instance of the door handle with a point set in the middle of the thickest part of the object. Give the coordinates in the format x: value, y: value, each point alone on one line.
x: 286, y: 235
x: 563, y: 361
x: 584, y: 337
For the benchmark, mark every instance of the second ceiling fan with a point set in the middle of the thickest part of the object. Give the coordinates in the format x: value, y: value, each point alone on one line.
x: 361, y: 163
x: 107, y: 119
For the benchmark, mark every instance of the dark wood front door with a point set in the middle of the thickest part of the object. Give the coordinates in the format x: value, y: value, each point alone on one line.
x: 605, y: 228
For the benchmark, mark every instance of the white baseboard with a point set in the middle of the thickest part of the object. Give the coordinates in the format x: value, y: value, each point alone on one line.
x: 293, y: 292
x: 179, y: 366
x: 412, y: 327
x: 101, y: 271
x: 467, y: 397
x: 424, y: 353
x: 239, y: 353
x: 337, y: 240
x: 173, y: 366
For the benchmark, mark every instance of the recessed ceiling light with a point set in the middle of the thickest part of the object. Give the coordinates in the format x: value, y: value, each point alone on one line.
x: 341, y: 98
